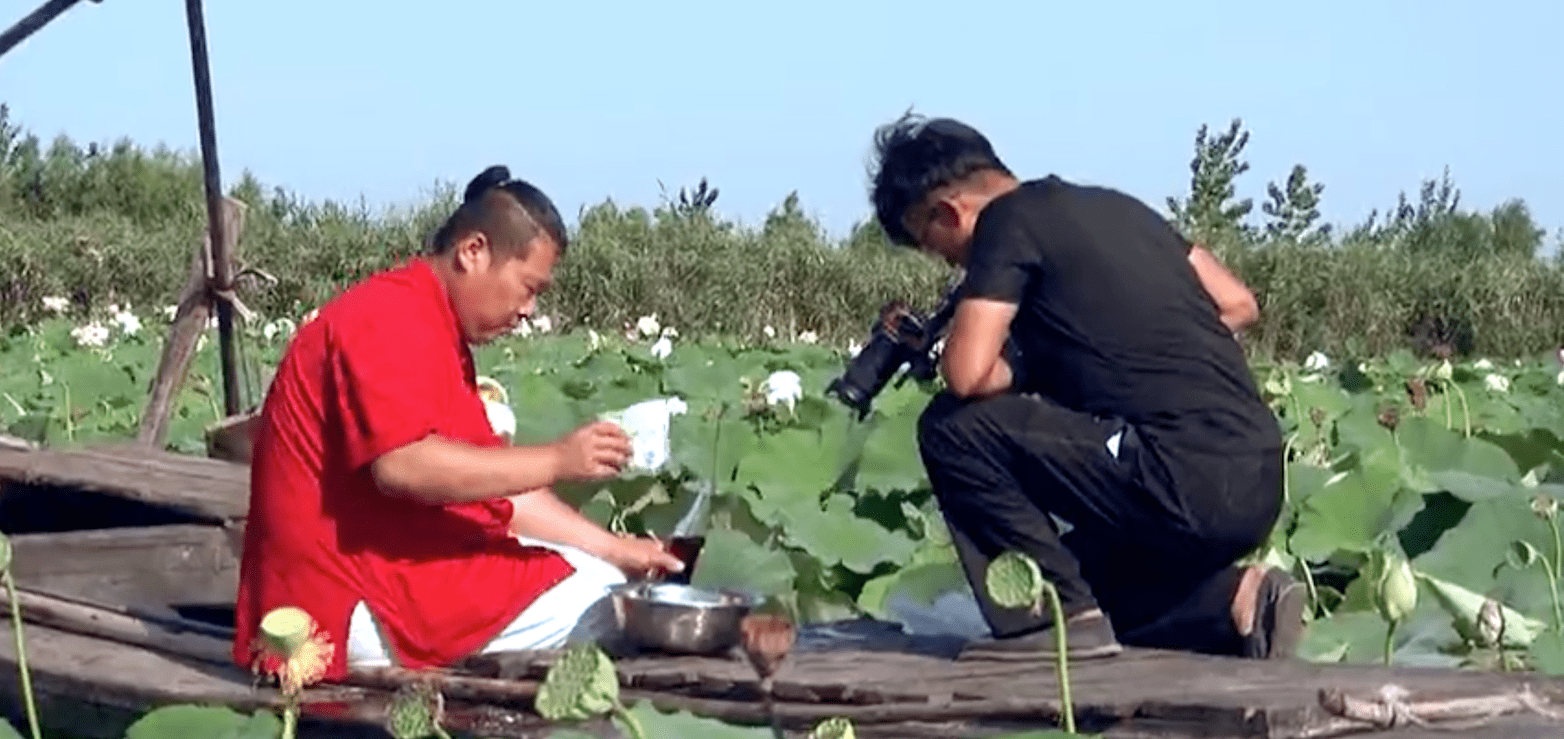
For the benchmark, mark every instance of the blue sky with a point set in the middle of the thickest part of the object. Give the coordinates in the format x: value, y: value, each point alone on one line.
x: 346, y: 98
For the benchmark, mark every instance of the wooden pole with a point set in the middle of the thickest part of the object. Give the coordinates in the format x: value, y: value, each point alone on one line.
x: 222, y: 266
x: 190, y: 321
x: 39, y: 18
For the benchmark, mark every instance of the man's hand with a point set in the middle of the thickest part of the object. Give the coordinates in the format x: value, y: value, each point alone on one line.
x: 641, y: 557
x: 593, y: 452
x: 971, y: 361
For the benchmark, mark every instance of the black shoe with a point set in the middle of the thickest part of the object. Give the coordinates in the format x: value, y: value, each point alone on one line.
x: 1278, y: 617
x: 1089, y: 635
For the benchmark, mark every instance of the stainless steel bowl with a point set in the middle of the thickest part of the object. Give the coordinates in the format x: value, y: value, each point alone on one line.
x: 680, y: 619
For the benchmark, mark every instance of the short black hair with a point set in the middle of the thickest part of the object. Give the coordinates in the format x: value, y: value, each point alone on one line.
x: 511, y: 211
x: 913, y: 156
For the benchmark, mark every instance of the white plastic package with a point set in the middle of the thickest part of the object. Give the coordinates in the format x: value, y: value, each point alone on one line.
x: 647, y: 423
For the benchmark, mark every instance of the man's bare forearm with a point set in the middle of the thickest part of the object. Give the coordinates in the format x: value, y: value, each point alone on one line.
x: 438, y: 470
x: 540, y: 514
x: 996, y: 381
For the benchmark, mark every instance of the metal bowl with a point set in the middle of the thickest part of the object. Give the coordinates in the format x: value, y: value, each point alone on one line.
x: 680, y: 619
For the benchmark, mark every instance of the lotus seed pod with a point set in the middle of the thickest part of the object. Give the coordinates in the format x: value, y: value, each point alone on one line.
x: 286, y: 629
x: 491, y: 390
x: 1545, y: 506
x: 1397, y: 588
x: 767, y: 640
x: 411, y: 716
x: 833, y: 728
x: 1014, y: 581
x: 581, y: 684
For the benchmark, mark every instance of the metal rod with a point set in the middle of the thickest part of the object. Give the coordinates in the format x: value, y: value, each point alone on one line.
x: 38, y: 19
x: 222, y: 267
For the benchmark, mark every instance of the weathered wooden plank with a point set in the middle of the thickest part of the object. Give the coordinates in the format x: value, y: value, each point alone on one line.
x: 1140, y: 692
x: 94, y: 688
x: 67, y: 615
x: 209, y: 490
x: 150, y: 566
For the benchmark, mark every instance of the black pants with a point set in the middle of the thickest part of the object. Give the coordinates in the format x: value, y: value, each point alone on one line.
x: 1153, y: 550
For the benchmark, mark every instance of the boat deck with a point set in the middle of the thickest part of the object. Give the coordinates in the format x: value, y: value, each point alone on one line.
x: 129, y: 612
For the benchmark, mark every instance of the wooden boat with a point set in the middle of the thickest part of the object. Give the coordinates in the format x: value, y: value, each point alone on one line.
x: 126, y: 563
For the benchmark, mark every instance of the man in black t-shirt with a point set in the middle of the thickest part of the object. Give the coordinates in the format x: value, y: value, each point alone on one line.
x: 1129, y: 413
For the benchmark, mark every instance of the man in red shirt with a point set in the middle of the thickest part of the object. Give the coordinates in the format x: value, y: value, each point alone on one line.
x: 380, y: 496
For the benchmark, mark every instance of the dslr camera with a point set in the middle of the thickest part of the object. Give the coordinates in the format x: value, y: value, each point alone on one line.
x: 910, y: 343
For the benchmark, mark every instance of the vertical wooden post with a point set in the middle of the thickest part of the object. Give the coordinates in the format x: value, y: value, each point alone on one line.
x: 222, y: 263
x: 190, y: 321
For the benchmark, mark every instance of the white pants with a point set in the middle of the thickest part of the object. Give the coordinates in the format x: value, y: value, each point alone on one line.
x: 577, y: 609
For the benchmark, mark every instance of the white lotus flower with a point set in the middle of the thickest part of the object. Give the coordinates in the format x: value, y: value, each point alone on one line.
x: 282, y: 327
x: 55, y: 304
x: 309, y: 316
x: 543, y: 324
x: 92, y: 334
x: 853, y: 347
x: 808, y: 337
x: 593, y: 340
x: 770, y: 332
x: 129, y: 324
x: 662, y: 348
x: 523, y: 328
x: 1316, y: 362
x: 1482, y: 364
x: 783, y: 386
x: 1560, y: 378
x: 169, y: 311
x: 1497, y: 383
x: 647, y: 325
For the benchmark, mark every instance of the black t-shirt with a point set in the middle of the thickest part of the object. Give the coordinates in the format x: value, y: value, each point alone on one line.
x: 1112, y: 319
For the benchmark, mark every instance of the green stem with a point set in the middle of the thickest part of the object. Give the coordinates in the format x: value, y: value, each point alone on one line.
x: 631, y: 722
x: 21, y: 655
x: 290, y: 720
x: 441, y: 733
x: 1553, y: 578
x: 1062, y: 659
x: 1390, y: 633
x: 70, y: 424
x: 1553, y: 589
x: 1315, y: 606
x: 1466, y: 411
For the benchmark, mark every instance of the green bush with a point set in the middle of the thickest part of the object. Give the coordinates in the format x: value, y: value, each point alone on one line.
x: 119, y: 224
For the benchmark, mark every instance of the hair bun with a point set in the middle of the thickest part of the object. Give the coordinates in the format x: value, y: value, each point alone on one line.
x: 485, y: 180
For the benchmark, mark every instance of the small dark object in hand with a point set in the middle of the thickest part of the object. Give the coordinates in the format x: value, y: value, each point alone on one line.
x: 688, y: 550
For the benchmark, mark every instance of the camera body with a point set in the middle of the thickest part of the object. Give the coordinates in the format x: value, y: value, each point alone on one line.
x: 911, y: 344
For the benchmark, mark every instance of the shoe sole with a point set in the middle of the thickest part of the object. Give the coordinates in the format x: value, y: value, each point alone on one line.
x: 1285, y: 622
x: 1033, y: 655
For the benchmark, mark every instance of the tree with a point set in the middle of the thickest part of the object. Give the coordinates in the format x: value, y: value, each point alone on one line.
x: 1211, y: 212
x: 1293, y: 208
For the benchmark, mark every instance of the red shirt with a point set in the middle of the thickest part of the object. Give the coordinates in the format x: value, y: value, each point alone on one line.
x: 381, y: 366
